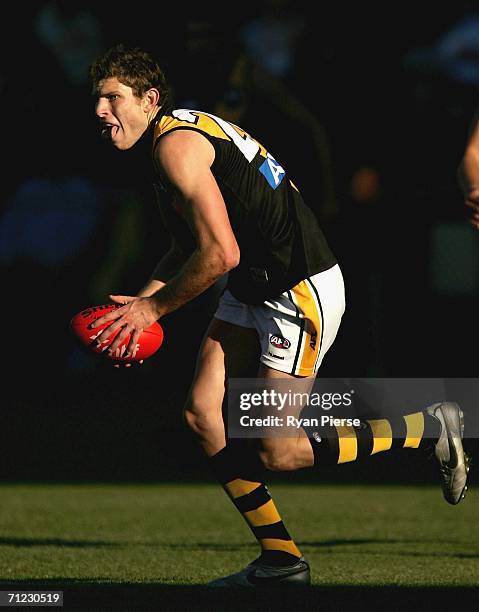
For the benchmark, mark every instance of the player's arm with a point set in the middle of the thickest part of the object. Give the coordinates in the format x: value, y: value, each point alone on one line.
x: 186, y: 158
x: 468, y: 174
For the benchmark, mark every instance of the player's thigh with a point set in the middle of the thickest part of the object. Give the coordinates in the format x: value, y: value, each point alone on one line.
x: 227, y: 350
x: 277, y: 450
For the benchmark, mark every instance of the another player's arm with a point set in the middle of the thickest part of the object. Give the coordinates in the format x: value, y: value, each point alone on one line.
x: 468, y: 174
x: 186, y: 158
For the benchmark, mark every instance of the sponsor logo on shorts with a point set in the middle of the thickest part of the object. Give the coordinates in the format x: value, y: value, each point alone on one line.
x: 279, y: 342
x: 275, y: 356
x: 313, y: 339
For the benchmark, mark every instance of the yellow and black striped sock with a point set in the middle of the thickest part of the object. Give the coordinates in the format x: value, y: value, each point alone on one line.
x: 342, y: 444
x: 251, y: 497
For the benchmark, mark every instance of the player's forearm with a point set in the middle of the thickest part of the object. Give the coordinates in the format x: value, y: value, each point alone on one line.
x: 201, y: 270
x: 166, y: 269
x: 151, y: 287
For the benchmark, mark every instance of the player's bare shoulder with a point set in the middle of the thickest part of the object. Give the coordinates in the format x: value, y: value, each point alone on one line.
x: 181, y: 146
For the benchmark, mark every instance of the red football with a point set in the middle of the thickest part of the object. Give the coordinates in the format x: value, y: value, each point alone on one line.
x: 149, y: 341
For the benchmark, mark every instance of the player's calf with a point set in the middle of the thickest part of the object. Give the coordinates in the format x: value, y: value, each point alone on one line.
x: 285, y: 454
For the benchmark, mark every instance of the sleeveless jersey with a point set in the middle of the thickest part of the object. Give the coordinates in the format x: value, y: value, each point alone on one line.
x: 279, y: 237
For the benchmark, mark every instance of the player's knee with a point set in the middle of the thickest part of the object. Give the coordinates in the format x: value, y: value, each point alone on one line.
x: 198, y: 418
x: 277, y: 457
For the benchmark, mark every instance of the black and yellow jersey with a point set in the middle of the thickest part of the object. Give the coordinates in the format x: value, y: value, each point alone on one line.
x: 279, y: 237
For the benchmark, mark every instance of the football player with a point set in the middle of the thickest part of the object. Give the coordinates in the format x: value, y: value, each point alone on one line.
x: 231, y: 208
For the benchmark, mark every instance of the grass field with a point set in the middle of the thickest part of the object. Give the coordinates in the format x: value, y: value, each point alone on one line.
x: 153, y: 546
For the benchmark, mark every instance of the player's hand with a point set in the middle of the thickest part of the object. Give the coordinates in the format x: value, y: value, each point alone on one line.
x: 472, y: 202
x: 127, y: 364
x: 136, y: 314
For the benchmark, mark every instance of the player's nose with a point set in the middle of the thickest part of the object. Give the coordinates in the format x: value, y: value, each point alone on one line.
x: 101, y: 108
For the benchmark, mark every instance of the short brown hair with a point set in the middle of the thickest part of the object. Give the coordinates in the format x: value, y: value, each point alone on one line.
x: 133, y: 67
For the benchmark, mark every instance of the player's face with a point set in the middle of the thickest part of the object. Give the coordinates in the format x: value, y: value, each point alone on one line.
x: 123, y: 116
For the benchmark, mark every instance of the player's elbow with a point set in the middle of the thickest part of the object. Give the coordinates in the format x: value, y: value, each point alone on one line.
x: 231, y: 257
x: 222, y: 259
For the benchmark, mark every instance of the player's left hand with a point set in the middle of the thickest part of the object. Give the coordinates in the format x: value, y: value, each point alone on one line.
x: 472, y: 202
x: 136, y: 314
x: 128, y: 364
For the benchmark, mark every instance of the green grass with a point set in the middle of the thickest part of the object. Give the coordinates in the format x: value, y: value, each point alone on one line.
x: 124, y: 546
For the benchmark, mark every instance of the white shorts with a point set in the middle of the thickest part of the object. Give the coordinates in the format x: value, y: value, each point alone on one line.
x: 297, y: 328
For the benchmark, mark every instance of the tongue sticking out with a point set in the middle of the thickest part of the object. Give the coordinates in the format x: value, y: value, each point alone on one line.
x: 108, y: 131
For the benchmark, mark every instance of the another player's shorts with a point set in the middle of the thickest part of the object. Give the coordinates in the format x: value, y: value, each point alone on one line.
x: 297, y: 328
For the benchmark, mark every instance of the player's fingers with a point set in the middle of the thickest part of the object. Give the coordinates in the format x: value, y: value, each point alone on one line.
x: 121, y: 335
x: 134, y: 337
x: 474, y: 204
x: 121, y: 299
x: 122, y: 365
x: 110, y: 316
x: 106, y: 334
x: 103, y: 339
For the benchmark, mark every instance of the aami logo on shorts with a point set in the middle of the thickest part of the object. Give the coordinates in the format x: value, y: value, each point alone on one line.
x: 312, y: 340
x: 279, y: 341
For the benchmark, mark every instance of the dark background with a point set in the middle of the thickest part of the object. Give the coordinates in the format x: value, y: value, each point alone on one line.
x: 393, y: 92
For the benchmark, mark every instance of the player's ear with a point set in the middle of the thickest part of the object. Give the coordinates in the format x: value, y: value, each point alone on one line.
x: 151, y: 99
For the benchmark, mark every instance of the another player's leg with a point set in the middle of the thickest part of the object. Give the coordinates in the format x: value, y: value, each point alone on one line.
x: 229, y: 348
